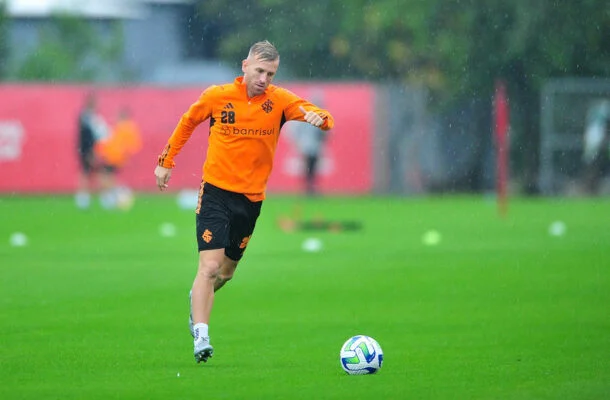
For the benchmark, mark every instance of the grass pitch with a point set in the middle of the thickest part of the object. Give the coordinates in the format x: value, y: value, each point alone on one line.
x: 95, y: 305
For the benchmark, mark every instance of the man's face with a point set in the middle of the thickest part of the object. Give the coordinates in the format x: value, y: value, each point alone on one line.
x: 258, y: 74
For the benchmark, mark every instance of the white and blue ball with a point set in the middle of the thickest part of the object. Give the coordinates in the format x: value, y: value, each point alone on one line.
x: 361, y: 355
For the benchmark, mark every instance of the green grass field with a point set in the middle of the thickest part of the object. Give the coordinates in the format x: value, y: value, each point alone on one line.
x: 95, y: 306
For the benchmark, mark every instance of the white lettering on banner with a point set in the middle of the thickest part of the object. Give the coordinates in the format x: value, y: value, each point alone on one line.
x: 11, y: 140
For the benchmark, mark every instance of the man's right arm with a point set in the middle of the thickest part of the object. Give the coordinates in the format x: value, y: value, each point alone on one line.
x: 196, y: 114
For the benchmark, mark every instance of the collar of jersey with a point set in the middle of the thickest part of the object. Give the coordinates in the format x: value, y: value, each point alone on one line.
x: 239, y: 82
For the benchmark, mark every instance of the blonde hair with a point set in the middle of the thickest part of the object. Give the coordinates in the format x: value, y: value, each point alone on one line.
x: 264, y: 51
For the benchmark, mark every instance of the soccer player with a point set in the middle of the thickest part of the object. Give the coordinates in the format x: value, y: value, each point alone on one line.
x: 114, y: 152
x: 310, y: 142
x: 91, y: 128
x: 596, y: 149
x: 245, y: 121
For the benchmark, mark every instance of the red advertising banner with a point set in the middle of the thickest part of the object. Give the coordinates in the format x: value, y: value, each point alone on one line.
x: 38, y: 137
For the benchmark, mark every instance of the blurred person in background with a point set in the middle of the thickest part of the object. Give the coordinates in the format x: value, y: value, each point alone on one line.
x: 245, y: 121
x: 310, y: 141
x: 596, y: 150
x: 91, y: 128
x: 114, y: 152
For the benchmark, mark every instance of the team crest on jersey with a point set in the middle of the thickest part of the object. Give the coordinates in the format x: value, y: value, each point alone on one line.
x: 207, y: 236
x: 267, y: 106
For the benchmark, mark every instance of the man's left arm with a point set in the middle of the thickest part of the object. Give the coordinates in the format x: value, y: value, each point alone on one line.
x: 299, y: 109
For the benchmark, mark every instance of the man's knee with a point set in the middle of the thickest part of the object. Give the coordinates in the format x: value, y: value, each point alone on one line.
x: 227, y: 270
x: 210, y: 269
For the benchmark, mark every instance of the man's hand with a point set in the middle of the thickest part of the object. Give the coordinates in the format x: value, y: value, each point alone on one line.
x: 311, y: 117
x: 162, y: 174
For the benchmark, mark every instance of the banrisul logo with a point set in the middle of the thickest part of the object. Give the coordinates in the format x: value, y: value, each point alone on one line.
x: 253, y: 132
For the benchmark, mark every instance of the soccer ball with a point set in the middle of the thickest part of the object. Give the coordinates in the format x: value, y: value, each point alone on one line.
x: 361, y: 355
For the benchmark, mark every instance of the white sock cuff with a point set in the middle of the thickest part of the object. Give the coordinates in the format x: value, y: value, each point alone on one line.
x: 201, y: 330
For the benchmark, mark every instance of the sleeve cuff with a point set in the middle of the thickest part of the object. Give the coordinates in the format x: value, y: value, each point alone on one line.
x: 165, y: 163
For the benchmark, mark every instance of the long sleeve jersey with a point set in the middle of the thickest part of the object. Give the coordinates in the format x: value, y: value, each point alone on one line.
x: 243, y: 135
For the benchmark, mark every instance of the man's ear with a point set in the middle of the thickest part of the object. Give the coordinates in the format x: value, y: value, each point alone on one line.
x: 244, y: 64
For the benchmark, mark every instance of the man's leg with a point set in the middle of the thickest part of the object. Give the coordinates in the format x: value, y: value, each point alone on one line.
x: 82, y: 198
x: 214, y: 270
x: 227, y: 269
x: 310, y: 170
x: 108, y: 198
x: 225, y: 273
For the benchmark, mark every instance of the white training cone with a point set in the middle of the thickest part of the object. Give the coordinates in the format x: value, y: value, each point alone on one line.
x: 18, y: 239
x: 312, y: 245
x: 431, y: 238
x: 557, y: 228
x: 167, y: 229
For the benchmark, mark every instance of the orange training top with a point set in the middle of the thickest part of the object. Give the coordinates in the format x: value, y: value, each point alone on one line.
x: 123, y: 142
x: 243, y: 134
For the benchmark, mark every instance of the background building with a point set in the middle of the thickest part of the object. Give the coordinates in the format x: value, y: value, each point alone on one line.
x: 157, y: 38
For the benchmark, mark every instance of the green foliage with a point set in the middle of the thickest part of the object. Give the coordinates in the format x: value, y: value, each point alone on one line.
x: 4, y: 53
x: 458, y: 47
x: 330, y: 39
x: 71, y: 49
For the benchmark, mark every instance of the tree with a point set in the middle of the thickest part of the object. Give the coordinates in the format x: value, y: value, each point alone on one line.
x: 526, y: 43
x: 70, y: 49
x: 3, y: 40
x: 329, y: 39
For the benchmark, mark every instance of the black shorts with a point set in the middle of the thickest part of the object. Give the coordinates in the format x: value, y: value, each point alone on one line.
x: 87, y: 158
x: 109, y: 169
x: 225, y: 220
